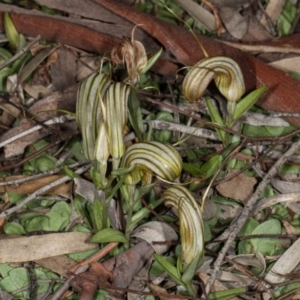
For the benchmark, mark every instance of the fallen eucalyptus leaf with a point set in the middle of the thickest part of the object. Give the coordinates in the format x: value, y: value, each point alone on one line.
x: 20, y: 249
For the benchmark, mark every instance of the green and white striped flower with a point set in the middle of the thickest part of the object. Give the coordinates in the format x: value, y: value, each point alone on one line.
x: 190, y: 222
x: 226, y: 73
x: 115, y: 117
x: 152, y: 158
x: 88, y: 110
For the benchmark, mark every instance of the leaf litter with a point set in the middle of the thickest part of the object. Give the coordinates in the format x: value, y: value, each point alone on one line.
x: 226, y: 177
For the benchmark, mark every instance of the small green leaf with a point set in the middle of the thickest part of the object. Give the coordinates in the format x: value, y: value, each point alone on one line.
x: 191, y: 169
x: 16, y: 40
x: 70, y: 173
x: 286, y: 18
x: 45, y: 163
x: 266, y: 131
x: 135, y: 114
x: 5, y: 269
x: 209, y: 168
x: 163, y: 136
x: 100, y: 214
x: 246, y: 103
x: 35, y: 224
x: 226, y: 294
x: 13, y: 228
x: 19, y: 278
x: 191, y: 269
x: 216, y: 118
x: 157, y: 269
x: 152, y: 61
x: 142, y: 213
x: 109, y: 235
x: 169, y: 268
x: 244, y: 246
x: 58, y: 217
x: 266, y: 246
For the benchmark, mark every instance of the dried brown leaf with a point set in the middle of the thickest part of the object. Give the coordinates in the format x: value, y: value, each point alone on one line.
x: 35, y: 247
x: 240, y: 187
x: 58, y: 264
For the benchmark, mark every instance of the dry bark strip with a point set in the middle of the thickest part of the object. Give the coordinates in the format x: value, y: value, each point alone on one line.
x: 283, y: 90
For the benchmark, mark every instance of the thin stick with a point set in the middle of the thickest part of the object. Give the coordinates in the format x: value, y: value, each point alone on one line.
x: 80, y: 268
x: 202, y: 132
x: 56, y: 120
x: 41, y: 191
x: 101, y: 253
x: 21, y: 52
x: 236, y: 226
x: 37, y: 176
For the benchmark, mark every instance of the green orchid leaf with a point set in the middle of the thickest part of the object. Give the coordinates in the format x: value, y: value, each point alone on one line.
x: 286, y: 19
x: 226, y: 294
x: 191, y: 169
x: 152, y: 61
x: 163, y: 136
x: 266, y: 246
x: 246, y: 103
x: 210, y: 167
x: 16, y: 40
x: 109, y: 235
x: 144, y: 212
x: 135, y: 114
x: 100, y: 215
x: 157, y: 269
x: 13, y: 228
x: 244, y: 246
x: 17, y: 278
x: 190, y: 269
x: 169, y: 268
x: 57, y: 218
x: 70, y: 173
x: 216, y: 118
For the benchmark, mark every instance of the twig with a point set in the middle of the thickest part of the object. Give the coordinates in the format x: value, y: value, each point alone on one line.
x: 236, y: 226
x: 21, y: 52
x: 40, y: 191
x: 56, y: 120
x: 59, y: 293
x: 277, y: 114
x: 164, y: 125
x: 37, y: 176
x: 101, y: 253
x: 80, y: 268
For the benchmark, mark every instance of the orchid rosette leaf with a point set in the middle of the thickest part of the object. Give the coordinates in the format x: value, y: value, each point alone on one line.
x: 152, y: 158
x: 226, y: 73
x: 88, y: 110
x: 190, y: 223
